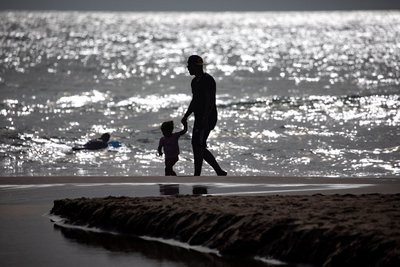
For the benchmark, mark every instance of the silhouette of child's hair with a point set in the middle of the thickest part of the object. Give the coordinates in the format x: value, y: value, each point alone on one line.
x: 167, y: 127
x: 105, y: 137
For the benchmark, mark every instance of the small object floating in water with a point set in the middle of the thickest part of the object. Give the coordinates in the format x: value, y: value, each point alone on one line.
x: 114, y: 144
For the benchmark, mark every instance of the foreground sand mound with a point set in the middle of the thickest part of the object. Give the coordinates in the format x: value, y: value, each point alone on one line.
x: 335, y: 230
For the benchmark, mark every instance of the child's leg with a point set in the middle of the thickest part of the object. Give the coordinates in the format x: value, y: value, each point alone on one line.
x: 169, y: 164
x: 168, y: 168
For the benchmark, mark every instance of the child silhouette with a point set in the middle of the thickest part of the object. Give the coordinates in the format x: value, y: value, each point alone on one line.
x: 169, y: 143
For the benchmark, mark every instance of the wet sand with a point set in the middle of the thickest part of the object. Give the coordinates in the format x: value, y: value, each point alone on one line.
x: 320, y: 221
x: 346, y: 185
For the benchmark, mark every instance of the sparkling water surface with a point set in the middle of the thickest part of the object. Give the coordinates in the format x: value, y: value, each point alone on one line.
x: 298, y: 93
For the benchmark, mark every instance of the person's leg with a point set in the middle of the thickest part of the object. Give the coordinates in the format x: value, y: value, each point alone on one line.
x: 198, y: 154
x: 210, y: 159
x: 168, y: 168
x: 169, y: 164
x: 200, y: 151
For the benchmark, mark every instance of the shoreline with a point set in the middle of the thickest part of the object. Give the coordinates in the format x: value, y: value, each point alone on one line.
x: 326, y: 185
x: 323, y: 230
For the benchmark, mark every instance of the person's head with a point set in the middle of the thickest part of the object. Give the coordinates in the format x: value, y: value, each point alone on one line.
x: 167, y: 128
x: 105, y: 137
x: 195, y: 65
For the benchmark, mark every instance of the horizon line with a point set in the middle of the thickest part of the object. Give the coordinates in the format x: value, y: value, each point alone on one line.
x: 196, y: 11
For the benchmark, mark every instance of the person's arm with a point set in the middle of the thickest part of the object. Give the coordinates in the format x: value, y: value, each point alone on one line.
x: 188, y: 113
x: 185, y: 128
x: 159, y: 149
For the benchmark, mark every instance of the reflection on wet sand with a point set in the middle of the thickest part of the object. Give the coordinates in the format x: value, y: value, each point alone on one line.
x: 173, y: 189
x: 200, y: 190
x: 151, y: 249
x: 169, y: 189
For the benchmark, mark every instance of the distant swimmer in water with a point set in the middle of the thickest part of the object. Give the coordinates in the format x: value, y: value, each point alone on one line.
x: 95, y: 144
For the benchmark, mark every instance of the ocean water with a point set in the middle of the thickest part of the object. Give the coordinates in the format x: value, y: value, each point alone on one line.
x: 298, y: 93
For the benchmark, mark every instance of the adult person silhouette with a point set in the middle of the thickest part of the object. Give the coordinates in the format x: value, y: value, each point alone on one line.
x: 205, y: 114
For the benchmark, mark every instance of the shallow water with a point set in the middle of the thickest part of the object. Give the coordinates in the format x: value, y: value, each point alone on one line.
x: 299, y: 94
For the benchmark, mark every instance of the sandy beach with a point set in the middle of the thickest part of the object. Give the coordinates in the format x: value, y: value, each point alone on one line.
x: 317, y: 221
x: 322, y: 230
x: 354, y: 224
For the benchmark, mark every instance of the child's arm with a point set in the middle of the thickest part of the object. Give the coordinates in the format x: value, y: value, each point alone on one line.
x: 185, y: 128
x: 159, y: 149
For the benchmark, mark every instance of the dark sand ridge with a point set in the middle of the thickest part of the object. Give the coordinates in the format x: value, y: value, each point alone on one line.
x: 323, y: 230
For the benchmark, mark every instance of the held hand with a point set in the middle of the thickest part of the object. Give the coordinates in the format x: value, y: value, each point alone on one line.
x: 184, y: 120
x: 185, y: 127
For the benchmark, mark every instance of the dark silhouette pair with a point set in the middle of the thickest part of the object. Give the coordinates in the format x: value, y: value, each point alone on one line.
x: 204, y: 108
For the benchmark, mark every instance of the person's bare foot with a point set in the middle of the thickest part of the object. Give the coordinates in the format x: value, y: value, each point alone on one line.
x: 222, y: 173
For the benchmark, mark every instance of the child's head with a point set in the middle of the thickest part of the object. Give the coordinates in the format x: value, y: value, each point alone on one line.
x: 167, y: 128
